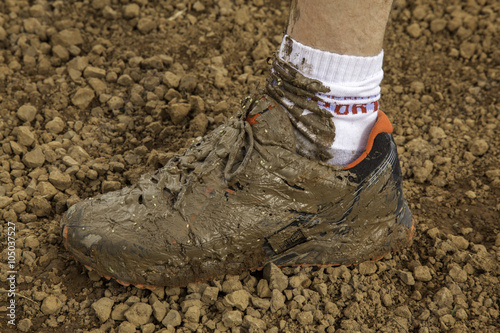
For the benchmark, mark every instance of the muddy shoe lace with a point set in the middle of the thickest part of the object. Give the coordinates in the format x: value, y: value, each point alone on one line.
x: 231, y: 145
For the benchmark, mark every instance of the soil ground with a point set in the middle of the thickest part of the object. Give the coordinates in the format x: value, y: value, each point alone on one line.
x: 93, y: 93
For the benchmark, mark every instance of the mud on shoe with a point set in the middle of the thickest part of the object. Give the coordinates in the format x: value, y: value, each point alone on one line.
x: 242, y: 197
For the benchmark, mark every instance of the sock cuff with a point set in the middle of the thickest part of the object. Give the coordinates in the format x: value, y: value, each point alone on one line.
x: 346, y: 75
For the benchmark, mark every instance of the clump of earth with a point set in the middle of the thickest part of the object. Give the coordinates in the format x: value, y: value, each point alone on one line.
x: 94, y: 93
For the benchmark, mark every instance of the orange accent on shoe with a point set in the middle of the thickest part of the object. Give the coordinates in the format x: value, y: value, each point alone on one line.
x: 125, y: 284
x: 65, y: 237
x: 145, y: 286
x: 251, y: 120
x: 383, y: 125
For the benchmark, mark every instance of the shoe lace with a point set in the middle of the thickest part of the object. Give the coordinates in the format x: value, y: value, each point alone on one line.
x: 232, y: 140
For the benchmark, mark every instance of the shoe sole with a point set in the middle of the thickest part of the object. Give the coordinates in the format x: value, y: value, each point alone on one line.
x: 152, y: 287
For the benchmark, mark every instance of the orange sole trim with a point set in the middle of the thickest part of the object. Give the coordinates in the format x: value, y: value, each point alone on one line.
x: 383, y: 125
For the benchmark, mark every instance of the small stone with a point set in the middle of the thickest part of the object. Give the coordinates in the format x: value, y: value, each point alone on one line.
x: 31, y: 242
x: 125, y: 80
x: 322, y: 289
x: 467, y: 49
x: 60, y: 52
x: 55, y: 126
x: 109, y: 13
x: 35, y: 158
x: 60, y: 180
x: 40, y: 206
x: 447, y: 321
x: 188, y: 83
x: 118, y: 312
x: 131, y: 11
x: 277, y: 300
x: 479, y: 147
x: 296, y: 281
x: 437, y: 132
x: 199, y: 124
x: 3, y: 34
x: 146, y: 25
x: 254, y: 324
x: 67, y: 37
x: 261, y: 303
x: 186, y: 304
x: 126, y: 327
x: 149, y: 328
x: 5, y: 201
x: 422, y: 273
x: 238, y: 299
x: 24, y: 325
x: 96, y: 72
x: 139, y: 313
x: 444, y: 298
x: 100, y: 4
x: 27, y: 112
x: 438, y: 25
x: 403, y: 311
x: 51, y: 305
x: 69, y: 161
x: 406, y: 277
x: 275, y: 277
x: 110, y: 185
x: 83, y: 97
x: 305, y: 318
x: 461, y: 314
x: 458, y: 274
x: 417, y: 87
x: 367, y: 268
x: 232, y: 318
x: 25, y: 136
x: 198, y: 6
x: 78, y: 153
x: 115, y: 103
x: 460, y: 242
x: 159, y: 310
x: 414, y: 30
x: 242, y: 16
x: 193, y: 314
x: 171, y: 80
x: 172, y: 318
x: 262, y: 50
x: 210, y: 295
x: 98, y: 85
x: 263, y: 289
x: 102, y: 308
x: 422, y: 173
x: 178, y: 112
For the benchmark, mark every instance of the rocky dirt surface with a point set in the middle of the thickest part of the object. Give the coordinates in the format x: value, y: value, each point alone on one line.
x: 95, y: 92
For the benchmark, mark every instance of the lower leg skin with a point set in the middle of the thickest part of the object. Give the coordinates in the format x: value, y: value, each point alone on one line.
x: 351, y: 27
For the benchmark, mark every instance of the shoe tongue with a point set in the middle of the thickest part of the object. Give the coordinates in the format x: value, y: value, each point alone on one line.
x: 270, y: 124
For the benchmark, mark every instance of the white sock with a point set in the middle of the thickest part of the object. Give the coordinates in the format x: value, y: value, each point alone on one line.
x: 354, y: 84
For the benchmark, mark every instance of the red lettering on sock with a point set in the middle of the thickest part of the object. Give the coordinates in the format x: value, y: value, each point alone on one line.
x: 360, y: 106
x: 340, y: 106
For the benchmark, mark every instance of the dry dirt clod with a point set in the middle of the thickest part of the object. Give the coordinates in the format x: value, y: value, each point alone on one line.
x: 102, y: 308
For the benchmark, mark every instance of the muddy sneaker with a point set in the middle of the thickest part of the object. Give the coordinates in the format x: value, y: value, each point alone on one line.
x: 242, y: 197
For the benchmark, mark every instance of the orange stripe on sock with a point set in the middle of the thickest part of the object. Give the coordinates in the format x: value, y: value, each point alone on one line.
x: 383, y: 125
